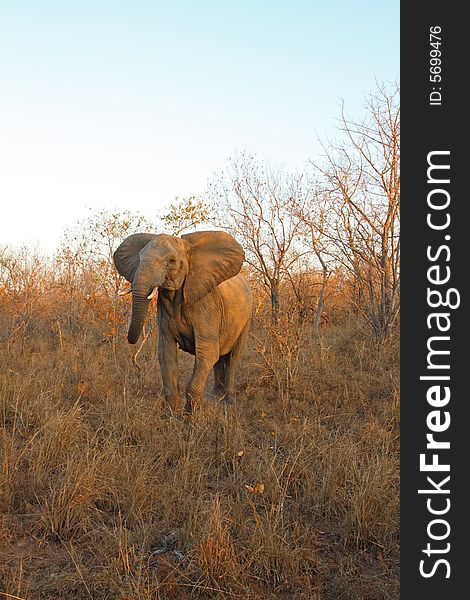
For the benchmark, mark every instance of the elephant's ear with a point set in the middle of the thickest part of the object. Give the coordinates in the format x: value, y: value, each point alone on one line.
x: 214, y: 256
x: 126, y: 257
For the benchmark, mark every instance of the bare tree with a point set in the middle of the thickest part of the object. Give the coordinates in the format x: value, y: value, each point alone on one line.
x: 362, y: 177
x: 255, y: 204
x: 309, y: 206
x: 88, y: 248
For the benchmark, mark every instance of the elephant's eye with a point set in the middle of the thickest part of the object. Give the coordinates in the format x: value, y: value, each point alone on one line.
x: 172, y: 262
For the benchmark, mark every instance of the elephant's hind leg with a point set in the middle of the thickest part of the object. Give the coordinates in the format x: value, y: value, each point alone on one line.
x: 231, y: 364
x: 219, y: 377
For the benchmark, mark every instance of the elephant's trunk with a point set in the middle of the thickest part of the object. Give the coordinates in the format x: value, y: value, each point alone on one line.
x: 146, y: 280
x: 140, y: 305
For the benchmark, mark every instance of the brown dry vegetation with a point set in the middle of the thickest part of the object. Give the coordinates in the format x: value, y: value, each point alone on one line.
x: 291, y: 493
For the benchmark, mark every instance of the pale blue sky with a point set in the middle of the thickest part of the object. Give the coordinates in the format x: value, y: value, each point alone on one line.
x: 127, y: 104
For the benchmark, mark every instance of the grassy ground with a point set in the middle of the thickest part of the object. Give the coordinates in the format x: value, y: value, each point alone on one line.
x: 291, y: 493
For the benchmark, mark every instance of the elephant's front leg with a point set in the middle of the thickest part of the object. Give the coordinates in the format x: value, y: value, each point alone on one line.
x: 168, y: 358
x: 203, y: 364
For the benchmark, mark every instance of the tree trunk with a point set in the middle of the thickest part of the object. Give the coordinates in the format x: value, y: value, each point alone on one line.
x: 321, y: 301
x: 275, y: 303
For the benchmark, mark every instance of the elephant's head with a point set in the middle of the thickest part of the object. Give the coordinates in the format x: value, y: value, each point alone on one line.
x: 196, y: 262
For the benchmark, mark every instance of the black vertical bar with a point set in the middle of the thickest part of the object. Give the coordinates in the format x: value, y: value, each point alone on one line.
x: 434, y: 118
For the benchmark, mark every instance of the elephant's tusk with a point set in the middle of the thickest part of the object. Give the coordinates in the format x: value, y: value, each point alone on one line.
x: 125, y: 292
x: 153, y: 294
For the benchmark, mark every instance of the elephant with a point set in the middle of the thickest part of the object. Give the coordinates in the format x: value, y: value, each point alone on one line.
x: 204, y: 306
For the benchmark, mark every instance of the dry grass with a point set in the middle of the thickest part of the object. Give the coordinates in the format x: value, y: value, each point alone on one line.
x: 291, y: 493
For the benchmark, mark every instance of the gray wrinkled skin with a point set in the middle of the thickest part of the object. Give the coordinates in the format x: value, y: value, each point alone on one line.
x: 204, y: 305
